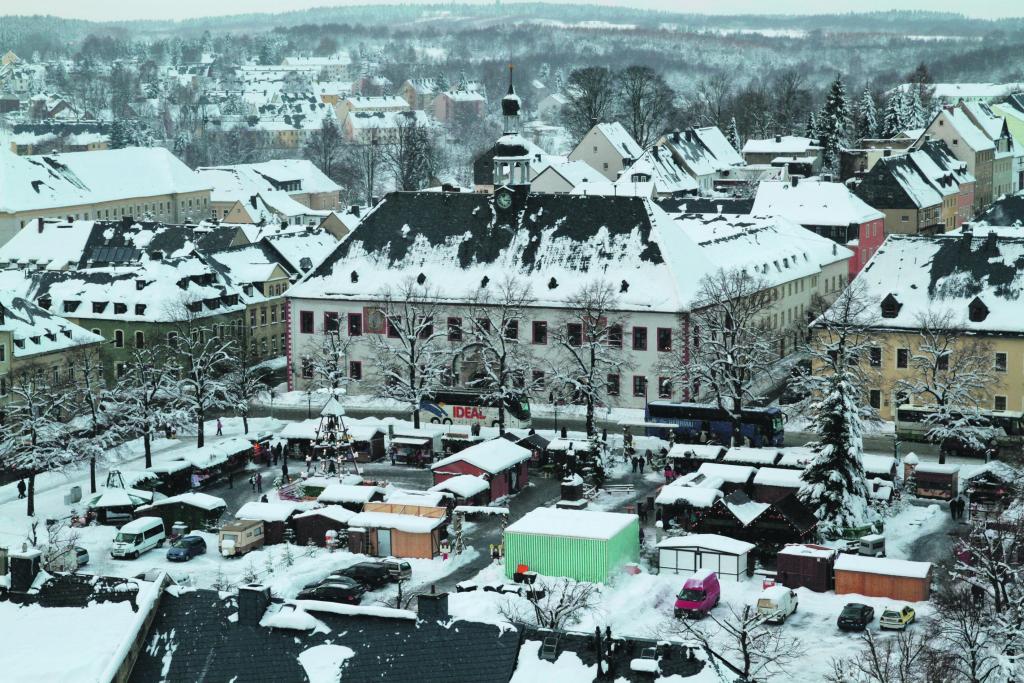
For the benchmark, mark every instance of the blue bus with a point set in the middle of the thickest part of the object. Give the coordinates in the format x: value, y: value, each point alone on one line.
x: 707, y: 423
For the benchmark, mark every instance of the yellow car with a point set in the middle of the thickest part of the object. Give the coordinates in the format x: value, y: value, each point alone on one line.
x: 897, y: 618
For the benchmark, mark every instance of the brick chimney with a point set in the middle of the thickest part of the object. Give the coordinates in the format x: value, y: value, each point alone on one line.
x: 253, y: 600
x: 432, y: 606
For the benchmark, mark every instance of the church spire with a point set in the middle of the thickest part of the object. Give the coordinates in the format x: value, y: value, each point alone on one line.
x: 510, y: 105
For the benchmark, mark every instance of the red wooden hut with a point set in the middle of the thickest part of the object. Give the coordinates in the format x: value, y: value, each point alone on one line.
x: 501, y: 462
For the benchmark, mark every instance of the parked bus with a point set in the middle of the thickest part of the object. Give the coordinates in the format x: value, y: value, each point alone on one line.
x: 707, y: 423
x: 1007, y: 426
x: 469, y: 407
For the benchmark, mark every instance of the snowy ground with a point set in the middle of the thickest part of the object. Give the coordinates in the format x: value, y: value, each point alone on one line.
x: 642, y: 605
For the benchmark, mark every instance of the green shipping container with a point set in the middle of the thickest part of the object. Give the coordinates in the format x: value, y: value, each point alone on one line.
x: 578, y: 544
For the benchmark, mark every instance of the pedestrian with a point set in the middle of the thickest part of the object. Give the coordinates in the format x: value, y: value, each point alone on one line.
x: 21, y: 488
x: 259, y: 482
x: 642, y: 463
x: 641, y: 535
x: 220, y: 428
x: 671, y: 436
x: 252, y: 482
x: 604, y: 434
x: 960, y: 505
x: 263, y: 498
x: 952, y: 508
x: 309, y: 463
x: 633, y: 462
x: 668, y: 473
x: 284, y: 472
x: 564, y: 432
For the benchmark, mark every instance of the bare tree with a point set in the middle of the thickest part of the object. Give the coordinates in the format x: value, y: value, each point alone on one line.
x: 327, y: 360
x: 413, y: 157
x: 553, y: 603
x: 792, y: 99
x: 361, y: 164
x: 952, y: 372
x: 972, y: 639
x: 645, y: 102
x: 92, y: 433
x: 590, y: 92
x: 835, y: 487
x: 712, y: 100
x: 34, y: 430
x: 990, y: 560
x: 145, y: 398
x: 325, y: 146
x: 205, y: 357
x: 743, y: 641
x: 906, y: 657
x: 411, y: 360
x: 731, y: 343
x: 488, y: 339
x: 589, y: 343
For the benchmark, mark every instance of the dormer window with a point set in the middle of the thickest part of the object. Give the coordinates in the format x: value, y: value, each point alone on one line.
x: 35, y: 339
x: 977, y: 311
x: 120, y: 308
x: 140, y: 285
x: 71, y: 306
x: 890, y: 307
x: 52, y: 336
x: 140, y: 309
x: 66, y: 332
x: 20, y: 343
x: 45, y: 302
x: 99, y: 306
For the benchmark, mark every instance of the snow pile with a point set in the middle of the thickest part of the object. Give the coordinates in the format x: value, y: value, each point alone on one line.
x: 322, y: 663
x: 530, y: 668
x: 463, y: 485
x: 292, y: 617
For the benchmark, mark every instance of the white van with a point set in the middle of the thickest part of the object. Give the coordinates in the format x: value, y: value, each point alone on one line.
x: 138, y: 536
x: 776, y: 604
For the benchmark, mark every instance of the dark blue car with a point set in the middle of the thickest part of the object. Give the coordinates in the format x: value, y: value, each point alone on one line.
x: 185, y: 548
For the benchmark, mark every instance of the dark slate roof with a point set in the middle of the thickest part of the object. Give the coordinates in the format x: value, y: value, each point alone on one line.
x: 112, y: 243
x: 880, y: 189
x: 796, y: 513
x: 441, y: 216
x: 1008, y: 210
x: 684, y: 204
x: 192, y: 639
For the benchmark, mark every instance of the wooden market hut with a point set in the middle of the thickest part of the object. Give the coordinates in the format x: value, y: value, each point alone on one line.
x: 734, y: 477
x: 932, y: 480
x: 883, y: 577
x: 687, y: 457
x: 313, y: 525
x: 768, y: 525
x: 276, y: 518
x: 367, y: 442
x: 504, y: 464
x: 990, y: 490
x: 384, y: 530
x: 775, y: 483
x: 805, y: 565
x: 467, y: 489
x: 682, y: 504
x: 199, y: 511
x: 728, y: 557
x: 752, y: 457
x: 169, y: 478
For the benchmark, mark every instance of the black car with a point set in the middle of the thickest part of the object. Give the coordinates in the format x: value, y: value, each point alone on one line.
x: 370, y: 574
x: 855, y: 617
x: 340, y: 589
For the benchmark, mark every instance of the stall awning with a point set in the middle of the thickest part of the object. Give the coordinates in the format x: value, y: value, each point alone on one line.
x: 410, y: 441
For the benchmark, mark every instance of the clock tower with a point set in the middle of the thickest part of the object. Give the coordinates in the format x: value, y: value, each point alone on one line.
x: 511, y: 163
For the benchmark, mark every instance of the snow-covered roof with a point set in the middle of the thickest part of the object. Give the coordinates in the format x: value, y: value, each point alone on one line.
x: 391, y: 520
x: 946, y: 273
x: 463, y: 485
x: 878, y: 464
x: 882, y: 565
x: 936, y: 468
x: 151, y: 290
x: 707, y: 452
x: 747, y: 510
x: 775, y: 476
x: 573, y: 172
x: 746, y: 455
x: 572, y: 523
x: 267, y: 512
x: 238, y: 182
x: 494, y: 456
x: 48, y: 244
x: 74, y: 178
x: 970, y: 134
x: 808, y: 551
x: 657, y: 166
x: 372, y: 120
x: 703, y: 151
x: 734, y: 474
x: 722, y: 544
x: 347, y: 493
x: 813, y: 202
x: 194, y: 498
x: 694, y: 496
x: 620, y: 139
x: 36, y: 331
x: 375, y: 102
x: 334, y: 512
x: 781, y: 144
x: 312, y: 243
x: 552, y: 241
x: 431, y: 498
x: 247, y: 264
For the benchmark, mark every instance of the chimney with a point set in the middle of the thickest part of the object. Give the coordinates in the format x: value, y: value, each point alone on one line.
x: 675, y: 136
x: 795, y: 180
x: 24, y: 568
x: 126, y: 221
x: 432, y: 606
x: 253, y: 600
x: 689, y: 134
x: 355, y: 210
x: 778, y: 138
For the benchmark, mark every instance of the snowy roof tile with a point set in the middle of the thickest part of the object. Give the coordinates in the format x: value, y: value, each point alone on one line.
x: 35, y: 330
x: 883, y: 565
x: 463, y: 485
x: 572, y: 523
x: 813, y: 202
x: 494, y: 456
x: 715, y: 542
x: 620, y: 139
x: 267, y: 512
x: 238, y: 182
x: 784, y: 145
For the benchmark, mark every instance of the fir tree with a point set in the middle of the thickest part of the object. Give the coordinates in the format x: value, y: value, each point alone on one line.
x: 893, y: 121
x: 835, y: 488
x: 867, y: 116
x: 812, y: 126
x: 734, y: 135
x: 834, y: 124
x: 914, y: 114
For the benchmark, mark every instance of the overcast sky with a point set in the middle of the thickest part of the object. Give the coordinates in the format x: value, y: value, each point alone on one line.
x: 102, y: 10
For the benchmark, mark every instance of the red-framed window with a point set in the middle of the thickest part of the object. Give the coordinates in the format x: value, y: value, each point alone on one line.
x: 355, y: 369
x: 664, y: 339
x: 540, y: 332
x: 331, y: 320
x: 613, y: 384
x: 306, y: 322
x: 639, y: 385
x: 664, y: 387
x: 639, y: 338
x: 355, y: 324
x: 454, y: 329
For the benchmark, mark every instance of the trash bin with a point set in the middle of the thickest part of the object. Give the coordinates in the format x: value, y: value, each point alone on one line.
x: 179, y: 529
x: 76, y: 494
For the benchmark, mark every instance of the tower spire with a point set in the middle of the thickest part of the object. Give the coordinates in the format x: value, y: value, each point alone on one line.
x: 510, y: 105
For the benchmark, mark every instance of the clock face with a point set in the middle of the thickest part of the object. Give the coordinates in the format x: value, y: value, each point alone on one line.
x: 504, y: 200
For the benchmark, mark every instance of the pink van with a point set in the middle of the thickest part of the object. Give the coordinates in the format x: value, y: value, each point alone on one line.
x: 699, y: 594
